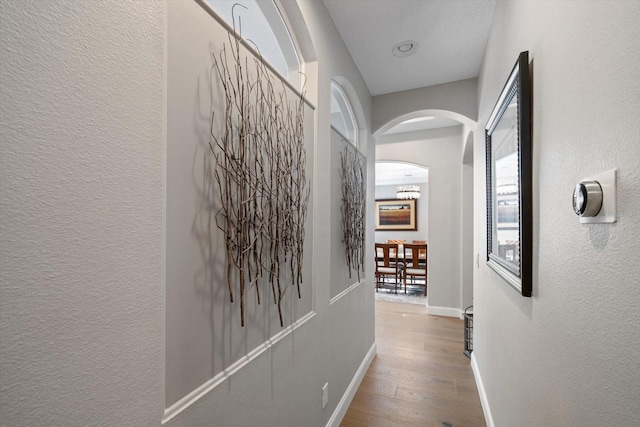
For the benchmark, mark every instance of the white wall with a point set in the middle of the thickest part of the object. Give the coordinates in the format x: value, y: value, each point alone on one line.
x: 81, y: 294
x: 283, y: 385
x: 439, y: 150
x: 82, y: 254
x: 467, y: 258
x: 204, y: 338
x: 569, y: 354
x: 422, y: 218
x: 347, y: 331
x: 455, y: 100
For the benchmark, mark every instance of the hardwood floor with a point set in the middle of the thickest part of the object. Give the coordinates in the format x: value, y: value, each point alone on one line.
x: 420, y: 376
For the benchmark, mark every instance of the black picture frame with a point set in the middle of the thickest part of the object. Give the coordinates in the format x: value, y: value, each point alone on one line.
x: 509, y: 181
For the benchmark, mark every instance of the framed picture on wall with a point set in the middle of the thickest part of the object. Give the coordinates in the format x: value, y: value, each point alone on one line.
x: 396, y: 215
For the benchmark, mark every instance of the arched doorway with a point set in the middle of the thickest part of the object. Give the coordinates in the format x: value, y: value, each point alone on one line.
x: 403, y: 182
x: 437, y: 140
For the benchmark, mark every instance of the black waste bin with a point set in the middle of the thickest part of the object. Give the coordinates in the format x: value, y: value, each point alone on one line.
x: 468, y: 331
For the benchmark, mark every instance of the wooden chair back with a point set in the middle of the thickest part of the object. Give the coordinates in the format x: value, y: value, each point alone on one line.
x: 415, y: 263
x: 421, y: 242
x: 386, y: 254
x: 415, y: 255
x: 397, y: 242
x: 387, y: 265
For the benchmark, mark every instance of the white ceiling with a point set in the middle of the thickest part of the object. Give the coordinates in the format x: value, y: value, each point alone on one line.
x: 396, y: 173
x: 451, y: 36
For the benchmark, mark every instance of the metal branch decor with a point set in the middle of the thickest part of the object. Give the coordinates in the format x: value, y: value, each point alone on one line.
x: 260, y: 173
x: 353, y: 207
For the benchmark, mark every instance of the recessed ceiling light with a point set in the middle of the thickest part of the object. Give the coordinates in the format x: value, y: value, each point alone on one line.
x: 405, y: 48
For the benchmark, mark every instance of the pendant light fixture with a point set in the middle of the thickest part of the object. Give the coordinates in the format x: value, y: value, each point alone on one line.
x: 407, y: 192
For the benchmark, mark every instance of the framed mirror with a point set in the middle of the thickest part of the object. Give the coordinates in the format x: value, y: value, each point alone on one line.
x: 509, y: 192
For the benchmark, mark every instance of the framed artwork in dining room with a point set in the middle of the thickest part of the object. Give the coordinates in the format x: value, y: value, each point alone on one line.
x: 396, y: 215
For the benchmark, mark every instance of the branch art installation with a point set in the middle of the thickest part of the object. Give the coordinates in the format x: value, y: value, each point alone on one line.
x: 260, y: 161
x: 352, y: 178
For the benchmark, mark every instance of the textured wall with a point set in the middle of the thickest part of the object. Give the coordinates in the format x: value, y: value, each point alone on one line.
x: 81, y: 246
x: 81, y: 106
x: 568, y: 355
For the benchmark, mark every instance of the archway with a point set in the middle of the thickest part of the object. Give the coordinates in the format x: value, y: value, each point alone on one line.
x: 443, y: 151
x: 450, y: 115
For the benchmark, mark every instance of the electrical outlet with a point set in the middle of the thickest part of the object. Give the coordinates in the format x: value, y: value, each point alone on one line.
x: 325, y: 395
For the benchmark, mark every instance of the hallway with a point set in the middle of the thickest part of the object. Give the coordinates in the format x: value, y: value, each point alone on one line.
x: 419, y: 376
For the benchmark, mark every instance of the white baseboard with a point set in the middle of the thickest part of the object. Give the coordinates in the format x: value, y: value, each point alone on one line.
x: 444, y: 311
x: 347, y: 397
x: 481, y: 392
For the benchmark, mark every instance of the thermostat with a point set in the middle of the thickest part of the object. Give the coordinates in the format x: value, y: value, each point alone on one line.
x: 594, y: 198
x: 587, y: 198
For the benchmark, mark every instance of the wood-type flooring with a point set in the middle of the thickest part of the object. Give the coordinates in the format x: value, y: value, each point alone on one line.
x: 419, y: 377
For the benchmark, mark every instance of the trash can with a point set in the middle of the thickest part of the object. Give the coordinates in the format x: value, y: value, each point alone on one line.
x: 468, y: 331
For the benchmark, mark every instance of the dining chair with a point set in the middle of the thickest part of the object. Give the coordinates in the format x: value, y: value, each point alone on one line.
x: 423, y: 254
x: 398, y: 242
x: 415, y: 263
x: 387, y: 265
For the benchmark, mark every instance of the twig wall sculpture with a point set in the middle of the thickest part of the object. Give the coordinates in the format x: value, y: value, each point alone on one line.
x: 260, y: 172
x: 352, y: 178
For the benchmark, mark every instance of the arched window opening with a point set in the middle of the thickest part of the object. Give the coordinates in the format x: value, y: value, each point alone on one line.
x: 262, y: 25
x: 342, y: 118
